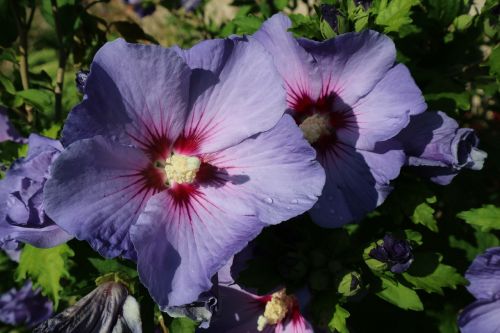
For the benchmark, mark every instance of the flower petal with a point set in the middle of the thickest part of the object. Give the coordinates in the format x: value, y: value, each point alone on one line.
x: 7, y: 131
x: 248, y: 97
x: 273, y: 176
x: 356, y: 183
x: 180, y: 246
x: 98, y: 190
x: 353, y: 63
x: 135, y: 93
x: 384, y: 111
x: 481, y: 316
x: 484, y: 274
x: 238, y: 312
x: 295, y: 65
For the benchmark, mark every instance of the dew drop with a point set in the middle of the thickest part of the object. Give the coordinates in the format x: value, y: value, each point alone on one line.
x: 295, y: 201
x: 268, y: 200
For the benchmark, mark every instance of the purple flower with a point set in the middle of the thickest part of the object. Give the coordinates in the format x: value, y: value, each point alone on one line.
x: 81, y: 80
x: 244, y: 312
x: 396, y: 253
x: 22, y: 214
x: 484, y: 276
x: 438, y: 148
x: 188, y: 157
x: 108, y: 308
x: 329, y: 13
x: 346, y: 94
x: 24, y: 306
x: 7, y: 131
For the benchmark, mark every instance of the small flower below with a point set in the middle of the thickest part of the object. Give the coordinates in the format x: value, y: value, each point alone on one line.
x: 396, y: 253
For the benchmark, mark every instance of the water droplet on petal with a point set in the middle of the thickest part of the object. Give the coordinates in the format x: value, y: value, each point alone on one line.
x: 295, y: 201
x: 268, y: 200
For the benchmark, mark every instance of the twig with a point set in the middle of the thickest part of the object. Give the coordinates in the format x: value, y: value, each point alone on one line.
x: 58, y: 90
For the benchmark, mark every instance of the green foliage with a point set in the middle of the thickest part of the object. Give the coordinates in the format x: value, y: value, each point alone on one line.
x: 486, y: 218
x: 46, y: 268
x: 339, y: 318
x: 424, y: 214
x: 393, y: 15
x: 399, y: 295
x: 182, y: 325
x: 426, y: 275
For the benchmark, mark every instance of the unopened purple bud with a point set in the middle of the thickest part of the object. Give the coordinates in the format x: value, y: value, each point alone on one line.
x: 329, y: 14
x: 396, y: 253
x: 81, y: 80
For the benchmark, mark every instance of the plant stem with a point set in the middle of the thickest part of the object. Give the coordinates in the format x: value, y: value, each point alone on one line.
x: 58, y: 90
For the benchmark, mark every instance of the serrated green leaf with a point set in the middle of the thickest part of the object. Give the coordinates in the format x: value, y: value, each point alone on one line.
x: 338, y: 323
x: 443, y: 276
x: 424, y: 214
x: 399, y: 295
x: 392, y: 15
x: 182, y: 325
x: 484, y: 240
x: 375, y: 265
x: 42, y: 100
x: 247, y: 25
x: 52, y: 132
x: 46, y: 268
x: 486, y: 218
x: 414, y: 236
x: 112, y: 266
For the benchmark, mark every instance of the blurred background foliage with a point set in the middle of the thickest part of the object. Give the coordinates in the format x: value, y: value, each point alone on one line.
x: 452, y: 50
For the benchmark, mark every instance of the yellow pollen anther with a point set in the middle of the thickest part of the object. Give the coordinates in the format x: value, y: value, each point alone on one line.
x: 181, y: 168
x: 276, y: 310
x: 315, y: 126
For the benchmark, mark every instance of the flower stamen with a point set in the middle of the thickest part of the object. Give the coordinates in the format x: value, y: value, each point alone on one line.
x: 315, y: 127
x: 181, y: 168
x: 276, y: 309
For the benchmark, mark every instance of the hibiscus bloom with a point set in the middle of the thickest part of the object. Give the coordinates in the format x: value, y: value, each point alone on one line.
x: 178, y: 162
x: 244, y: 312
x: 346, y: 94
x: 438, y: 148
x: 22, y: 213
x: 484, y: 276
x: 24, y: 306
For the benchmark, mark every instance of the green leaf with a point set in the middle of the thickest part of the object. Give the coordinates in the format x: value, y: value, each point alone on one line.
x: 443, y: 276
x: 375, y: 265
x: 462, y: 22
x: 494, y: 62
x: 392, y: 15
x: 414, y: 236
x: 424, y: 214
x: 484, y: 240
x: 399, y: 295
x: 112, y: 266
x: 52, y: 132
x: 461, y: 99
x: 46, y: 268
x: 248, y: 24
x: 338, y: 322
x: 486, y: 218
x: 42, y: 100
x: 182, y: 325
x: 444, y: 11
x: 7, y: 84
x: 306, y: 26
x: 280, y: 4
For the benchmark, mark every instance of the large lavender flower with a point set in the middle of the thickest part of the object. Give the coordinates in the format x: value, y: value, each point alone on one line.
x: 182, y: 167
x: 108, y: 308
x: 7, y: 131
x: 24, y: 306
x: 435, y: 144
x: 346, y: 94
x: 484, y: 276
x: 244, y: 312
x: 22, y: 215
